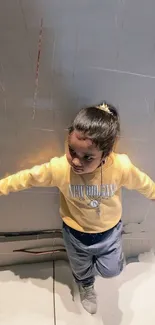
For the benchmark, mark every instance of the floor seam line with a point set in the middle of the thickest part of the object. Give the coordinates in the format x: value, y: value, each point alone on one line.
x: 54, y: 303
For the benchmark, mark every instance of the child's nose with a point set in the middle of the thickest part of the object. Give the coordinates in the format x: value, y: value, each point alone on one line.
x: 76, y: 162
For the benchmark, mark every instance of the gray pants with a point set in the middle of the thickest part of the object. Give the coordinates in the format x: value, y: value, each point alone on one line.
x: 104, y: 258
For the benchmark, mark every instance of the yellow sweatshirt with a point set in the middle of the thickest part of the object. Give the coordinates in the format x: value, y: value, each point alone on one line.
x: 77, y: 191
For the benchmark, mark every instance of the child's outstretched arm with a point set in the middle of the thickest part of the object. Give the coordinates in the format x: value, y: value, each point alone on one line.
x: 43, y: 175
x: 134, y: 179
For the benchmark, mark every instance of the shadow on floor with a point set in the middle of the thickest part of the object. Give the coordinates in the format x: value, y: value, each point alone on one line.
x: 108, y: 289
x: 110, y: 298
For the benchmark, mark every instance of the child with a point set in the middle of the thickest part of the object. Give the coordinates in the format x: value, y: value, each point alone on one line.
x: 90, y: 177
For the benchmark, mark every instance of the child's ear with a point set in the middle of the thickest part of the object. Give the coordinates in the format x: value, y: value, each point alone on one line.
x: 103, y: 161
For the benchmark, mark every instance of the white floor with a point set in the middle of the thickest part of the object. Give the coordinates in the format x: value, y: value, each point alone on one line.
x: 29, y: 295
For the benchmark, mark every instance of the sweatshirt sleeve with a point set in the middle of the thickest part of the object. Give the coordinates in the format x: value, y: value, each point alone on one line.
x: 134, y: 179
x: 39, y: 176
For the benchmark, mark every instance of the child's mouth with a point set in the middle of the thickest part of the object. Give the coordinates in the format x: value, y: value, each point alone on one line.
x: 77, y: 170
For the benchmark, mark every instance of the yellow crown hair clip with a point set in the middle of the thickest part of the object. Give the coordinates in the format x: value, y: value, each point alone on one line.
x: 105, y: 107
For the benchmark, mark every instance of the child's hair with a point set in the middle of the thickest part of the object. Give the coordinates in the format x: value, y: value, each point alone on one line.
x: 101, y: 124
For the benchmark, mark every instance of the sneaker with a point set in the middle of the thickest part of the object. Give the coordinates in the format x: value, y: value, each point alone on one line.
x: 88, y: 298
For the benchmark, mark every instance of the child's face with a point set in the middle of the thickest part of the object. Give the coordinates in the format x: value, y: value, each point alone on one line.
x: 82, y: 154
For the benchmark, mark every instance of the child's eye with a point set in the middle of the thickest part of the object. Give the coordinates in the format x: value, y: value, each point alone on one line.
x: 88, y: 158
x: 71, y: 151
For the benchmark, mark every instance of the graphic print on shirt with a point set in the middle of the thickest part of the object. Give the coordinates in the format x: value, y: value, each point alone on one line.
x: 92, y: 191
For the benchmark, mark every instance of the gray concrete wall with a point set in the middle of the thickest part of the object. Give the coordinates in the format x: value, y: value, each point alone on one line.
x: 91, y: 50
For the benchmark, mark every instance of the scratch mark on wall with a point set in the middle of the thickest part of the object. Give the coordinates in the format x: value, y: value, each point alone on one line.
x: 5, y: 105
x: 116, y: 21
x: 37, y: 69
x: 154, y: 105
x: 122, y: 2
x: 76, y: 52
x: 123, y: 72
x: 122, y: 25
x: 126, y: 237
x: 23, y: 14
x: 3, y: 88
x: 52, y: 69
x: 53, y: 55
x: 42, y: 104
x: 121, y: 13
x: 40, y: 192
x: 117, y: 55
x: 40, y: 129
x: 147, y: 212
x: 2, y: 85
x: 26, y: 28
x: 133, y: 139
x: 137, y: 227
x: 147, y: 105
